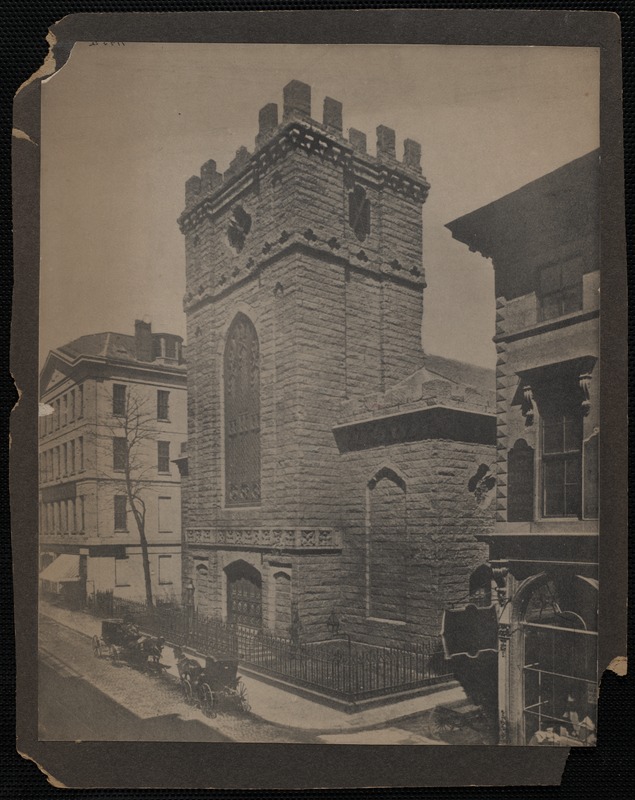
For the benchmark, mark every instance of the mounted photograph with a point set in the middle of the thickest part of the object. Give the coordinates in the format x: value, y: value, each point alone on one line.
x: 319, y: 394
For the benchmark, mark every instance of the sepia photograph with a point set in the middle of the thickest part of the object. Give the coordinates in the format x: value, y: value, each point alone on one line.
x: 319, y: 394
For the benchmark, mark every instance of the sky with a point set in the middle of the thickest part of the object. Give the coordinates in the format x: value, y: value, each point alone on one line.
x: 124, y: 127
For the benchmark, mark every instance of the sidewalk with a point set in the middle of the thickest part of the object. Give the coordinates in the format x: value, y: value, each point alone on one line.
x: 286, y: 709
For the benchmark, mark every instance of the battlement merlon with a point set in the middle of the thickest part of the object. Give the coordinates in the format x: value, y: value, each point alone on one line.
x: 298, y: 129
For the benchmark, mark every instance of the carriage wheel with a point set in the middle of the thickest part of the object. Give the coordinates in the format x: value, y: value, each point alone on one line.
x: 96, y: 647
x: 439, y: 725
x: 208, y: 700
x: 188, y: 695
x: 242, y: 697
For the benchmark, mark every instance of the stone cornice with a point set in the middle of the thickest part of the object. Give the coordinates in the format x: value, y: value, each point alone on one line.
x: 434, y: 422
x: 549, y: 325
x: 302, y: 135
x: 270, y: 539
x: 331, y: 249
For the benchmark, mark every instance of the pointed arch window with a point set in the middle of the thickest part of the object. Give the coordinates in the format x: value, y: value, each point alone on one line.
x: 387, y: 547
x: 242, y: 414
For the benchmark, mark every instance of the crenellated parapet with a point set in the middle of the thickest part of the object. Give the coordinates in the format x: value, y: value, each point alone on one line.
x: 208, y: 194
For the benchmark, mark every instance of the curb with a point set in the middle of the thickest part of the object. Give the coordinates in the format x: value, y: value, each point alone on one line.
x: 263, y: 679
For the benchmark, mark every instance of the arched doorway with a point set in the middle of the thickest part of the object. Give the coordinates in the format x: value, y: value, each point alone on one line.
x: 244, y: 595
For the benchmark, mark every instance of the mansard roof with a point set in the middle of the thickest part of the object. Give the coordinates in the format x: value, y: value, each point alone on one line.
x: 104, y: 347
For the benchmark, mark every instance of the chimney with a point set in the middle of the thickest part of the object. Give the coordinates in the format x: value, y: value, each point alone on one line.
x: 143, y: 340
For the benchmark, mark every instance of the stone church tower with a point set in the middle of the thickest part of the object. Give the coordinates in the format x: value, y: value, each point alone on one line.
x: 304, y: 296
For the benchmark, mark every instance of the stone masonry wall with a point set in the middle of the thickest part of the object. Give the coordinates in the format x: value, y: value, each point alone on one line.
x: 443, y: 519
x: 338, y: 316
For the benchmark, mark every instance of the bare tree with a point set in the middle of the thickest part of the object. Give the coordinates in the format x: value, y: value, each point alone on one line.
x: 128, y: 434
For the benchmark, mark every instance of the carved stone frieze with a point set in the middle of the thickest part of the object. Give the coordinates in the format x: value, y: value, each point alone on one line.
x: 267, y: 538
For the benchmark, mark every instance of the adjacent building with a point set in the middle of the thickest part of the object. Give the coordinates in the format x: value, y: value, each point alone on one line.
x: 337, y: 474
x: 116, y: 419
x: 543, y: 240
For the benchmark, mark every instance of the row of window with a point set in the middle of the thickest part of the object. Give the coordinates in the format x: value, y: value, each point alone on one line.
x: 63, y: 516
x: 66, y: 409
x: 120, y: 399
x: 67, y: 459
x: 62, y: 461
x: 121, y: 455
x: 167, y: 521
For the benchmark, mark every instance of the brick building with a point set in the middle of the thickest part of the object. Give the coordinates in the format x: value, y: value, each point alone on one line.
x: 328, y: 457
x: 89, y: 542
x: 543, y: 240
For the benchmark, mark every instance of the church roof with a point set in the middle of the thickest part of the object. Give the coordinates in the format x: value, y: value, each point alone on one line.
x: 439, y: 382
x: 458, y: 372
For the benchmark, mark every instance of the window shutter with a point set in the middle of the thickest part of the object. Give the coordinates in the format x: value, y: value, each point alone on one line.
x: 520, y: 482
x: 590, y: 488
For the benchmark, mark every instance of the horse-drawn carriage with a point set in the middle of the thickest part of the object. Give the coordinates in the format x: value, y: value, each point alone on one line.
x: 212, y: 686
x: 121, y: 640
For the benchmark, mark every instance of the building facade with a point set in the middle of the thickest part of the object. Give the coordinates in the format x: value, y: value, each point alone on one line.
x: 328, y: 457
x: 117, y: 407
x: 543, y: 240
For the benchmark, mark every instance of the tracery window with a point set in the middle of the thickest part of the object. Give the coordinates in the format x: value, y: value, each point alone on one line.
x: 242, y: 414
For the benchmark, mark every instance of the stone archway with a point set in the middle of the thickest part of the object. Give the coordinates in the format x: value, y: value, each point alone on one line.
x: 553, y: 658
x: 244, y: 594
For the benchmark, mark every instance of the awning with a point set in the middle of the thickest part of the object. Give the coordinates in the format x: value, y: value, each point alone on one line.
x: 65, y: 569
x: 469, y: 631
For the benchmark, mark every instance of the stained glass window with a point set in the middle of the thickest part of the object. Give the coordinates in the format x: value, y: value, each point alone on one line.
x: 242, y: 414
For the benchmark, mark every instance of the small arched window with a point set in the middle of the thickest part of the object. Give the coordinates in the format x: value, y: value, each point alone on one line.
x: 242, y: 414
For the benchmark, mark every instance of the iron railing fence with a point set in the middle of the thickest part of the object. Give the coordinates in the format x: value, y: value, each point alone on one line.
x: 339, y: 667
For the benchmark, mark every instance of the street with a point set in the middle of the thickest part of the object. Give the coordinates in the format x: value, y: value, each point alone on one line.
x: 84, y: 698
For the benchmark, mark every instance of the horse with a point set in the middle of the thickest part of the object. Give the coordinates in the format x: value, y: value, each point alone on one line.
x: 189, y: 668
